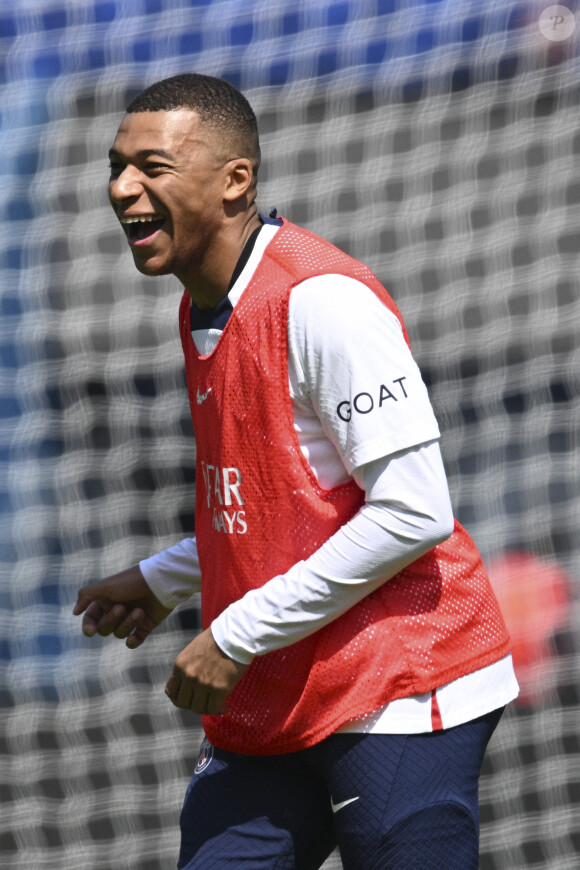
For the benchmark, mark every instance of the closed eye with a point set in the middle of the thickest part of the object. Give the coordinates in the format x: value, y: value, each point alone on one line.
x: 155, y: 167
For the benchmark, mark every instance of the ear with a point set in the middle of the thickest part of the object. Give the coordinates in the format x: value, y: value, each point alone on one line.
x: 239, y: 178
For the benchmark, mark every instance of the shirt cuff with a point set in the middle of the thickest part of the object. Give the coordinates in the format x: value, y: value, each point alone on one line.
x: 219, y: 631
x: 173, y: 575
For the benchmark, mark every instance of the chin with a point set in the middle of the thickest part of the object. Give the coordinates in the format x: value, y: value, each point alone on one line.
x: 151, y: 269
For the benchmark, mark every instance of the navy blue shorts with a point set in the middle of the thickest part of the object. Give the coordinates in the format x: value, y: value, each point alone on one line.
x: 389, y: 801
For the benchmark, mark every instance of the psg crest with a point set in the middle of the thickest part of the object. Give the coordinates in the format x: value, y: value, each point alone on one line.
x: 205, y: 756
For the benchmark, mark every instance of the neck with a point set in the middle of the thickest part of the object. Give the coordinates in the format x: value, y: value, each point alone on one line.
x: 210, y: 284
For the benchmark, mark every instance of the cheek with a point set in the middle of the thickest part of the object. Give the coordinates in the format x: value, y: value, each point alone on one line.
x: 197, y: 216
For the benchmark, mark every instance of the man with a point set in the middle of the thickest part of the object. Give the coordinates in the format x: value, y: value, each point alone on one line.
x: 353, y: 663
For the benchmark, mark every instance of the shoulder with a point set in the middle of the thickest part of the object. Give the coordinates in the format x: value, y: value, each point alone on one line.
x: 340, y: 305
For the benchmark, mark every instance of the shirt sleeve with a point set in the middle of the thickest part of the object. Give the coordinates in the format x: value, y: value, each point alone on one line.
x: 406, y: 513
x: 349, y: 364
x: 173, y: 575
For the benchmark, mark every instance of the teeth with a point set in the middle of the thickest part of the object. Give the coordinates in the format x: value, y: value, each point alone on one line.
x: 140, y: 219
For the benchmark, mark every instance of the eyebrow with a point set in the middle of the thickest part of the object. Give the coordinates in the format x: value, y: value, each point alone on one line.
x: 146, y: 152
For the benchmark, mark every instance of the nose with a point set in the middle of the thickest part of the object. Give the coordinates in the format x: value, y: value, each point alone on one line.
x: 126, y: 185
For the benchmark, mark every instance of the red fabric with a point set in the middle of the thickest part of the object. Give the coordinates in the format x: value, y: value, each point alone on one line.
x: 436, y: 721
x: 259, y: 510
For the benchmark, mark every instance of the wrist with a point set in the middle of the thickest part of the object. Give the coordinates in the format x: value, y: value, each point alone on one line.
x: 224, y: 643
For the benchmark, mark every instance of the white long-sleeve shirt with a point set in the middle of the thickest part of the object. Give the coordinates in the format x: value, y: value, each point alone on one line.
x: 361, y: 410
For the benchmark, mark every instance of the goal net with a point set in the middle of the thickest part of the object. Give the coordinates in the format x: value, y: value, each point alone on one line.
x: 436, y: 141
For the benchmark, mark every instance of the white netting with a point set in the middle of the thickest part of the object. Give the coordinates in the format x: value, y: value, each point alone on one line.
x: 436, y: 141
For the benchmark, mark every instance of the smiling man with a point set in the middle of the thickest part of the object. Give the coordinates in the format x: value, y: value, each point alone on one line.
x: 183, y: 186
x: 353, y: 663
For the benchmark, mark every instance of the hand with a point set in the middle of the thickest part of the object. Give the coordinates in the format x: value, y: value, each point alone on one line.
x: 203, y: 676
x: 123, y: 605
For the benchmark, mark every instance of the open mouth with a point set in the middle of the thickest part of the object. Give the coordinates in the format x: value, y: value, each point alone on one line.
x: 140, y: 228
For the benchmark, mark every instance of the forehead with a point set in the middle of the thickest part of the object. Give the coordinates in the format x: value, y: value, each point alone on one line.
x: 172, y: 132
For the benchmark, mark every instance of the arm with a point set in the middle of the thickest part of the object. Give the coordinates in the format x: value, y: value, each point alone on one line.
x: 406, y: 513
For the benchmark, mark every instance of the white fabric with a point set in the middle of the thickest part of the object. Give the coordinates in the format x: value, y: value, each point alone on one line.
x: 360, y: 414
x: 173, y: 575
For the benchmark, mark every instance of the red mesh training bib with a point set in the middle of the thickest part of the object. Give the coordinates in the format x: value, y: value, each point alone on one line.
x: 259, y: 510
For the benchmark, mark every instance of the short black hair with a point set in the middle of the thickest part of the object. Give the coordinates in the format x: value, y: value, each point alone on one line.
x: 218, y: 103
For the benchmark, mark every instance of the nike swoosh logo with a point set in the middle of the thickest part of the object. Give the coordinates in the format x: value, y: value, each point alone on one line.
x: 201, y: 397
x: 336, y: 807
